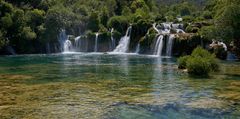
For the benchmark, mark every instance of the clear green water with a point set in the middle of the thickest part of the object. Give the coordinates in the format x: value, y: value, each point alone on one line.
x: 98, y: 86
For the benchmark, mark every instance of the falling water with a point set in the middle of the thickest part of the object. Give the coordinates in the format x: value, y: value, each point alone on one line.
x: 159, y: 46
x: 177, y: 26
x: 67, y: 46
x: 137, y: 48
x: 62, y: 37
x: 96, y: 43
x: 155, y: 28
x: 124, y: 42
x: 180, y: 31
x: 170, y: 44
x: 113, y: 40
x: 78, y: 43
x: 165, y: 29
x: 166, y: 25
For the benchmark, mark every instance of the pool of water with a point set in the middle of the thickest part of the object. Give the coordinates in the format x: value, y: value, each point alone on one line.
x: 113, y: 86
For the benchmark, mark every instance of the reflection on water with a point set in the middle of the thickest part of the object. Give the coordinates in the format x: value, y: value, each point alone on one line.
x: 113, y: 87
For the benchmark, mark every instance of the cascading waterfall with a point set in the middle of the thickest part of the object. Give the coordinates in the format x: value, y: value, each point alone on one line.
x: 180, y: 31
x: 170, y: 44
x: 124, y: 42
x: 96, y: 43
x: 67, y: 46
x: 137, y: 48
x: 62, y: 37
x: 155, y: 28
x: 78, y: 43
x: 159, y: 46
x: 165, y: 29
x: 65, y: 43
x: 112, y: 39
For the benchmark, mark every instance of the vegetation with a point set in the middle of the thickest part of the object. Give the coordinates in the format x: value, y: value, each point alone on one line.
x: 29, y: 26
x: 199, y: 63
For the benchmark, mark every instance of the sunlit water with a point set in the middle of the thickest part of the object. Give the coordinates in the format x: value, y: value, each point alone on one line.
x: 114, y: 86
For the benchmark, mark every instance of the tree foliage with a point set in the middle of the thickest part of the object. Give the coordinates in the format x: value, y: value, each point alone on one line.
x: 38, y: 22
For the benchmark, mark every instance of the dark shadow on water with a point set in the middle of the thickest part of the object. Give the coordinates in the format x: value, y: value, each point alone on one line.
x: 167, y: 111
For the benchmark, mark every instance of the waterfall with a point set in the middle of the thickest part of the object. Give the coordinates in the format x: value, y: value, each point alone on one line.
x: 96, y: 43
x: 62, y: 37
x: 78, y: 43
x: 180, y: 31
x: 159, y: 46
x: 113, y: 40
x: 164, y: 29
x: 67, y: 46
x: 124, y: 42
x: 170, y: 44
x: 137, y: 48
x: 155, y: 28
x: 177, y: 26
x: 166, y: 25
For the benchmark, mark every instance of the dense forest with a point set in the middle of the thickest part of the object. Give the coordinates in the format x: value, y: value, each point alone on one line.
x: 30, y: 26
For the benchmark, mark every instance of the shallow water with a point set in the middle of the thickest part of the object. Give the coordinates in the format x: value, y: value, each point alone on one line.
x: 113, y: 86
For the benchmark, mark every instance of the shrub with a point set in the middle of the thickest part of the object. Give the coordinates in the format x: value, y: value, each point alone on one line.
x: 198, y: 66
x: 192, y: 29
x: 201, y: 53
x: 182, y: 62
x: 199, y: 63
x: 207, y: 15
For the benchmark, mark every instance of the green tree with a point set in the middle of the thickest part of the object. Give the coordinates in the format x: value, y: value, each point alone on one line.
x: 119, y: 23
x: 94, y: 22
x: 28, y: 34
x: 58, y: 18
x: 5, y: 8
x: 228, y: 23
x: 6, y: 21
x: 139, y: 4
x: 35, y: 17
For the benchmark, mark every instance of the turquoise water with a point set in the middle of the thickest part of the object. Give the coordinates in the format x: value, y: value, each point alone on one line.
x: 108, y: 86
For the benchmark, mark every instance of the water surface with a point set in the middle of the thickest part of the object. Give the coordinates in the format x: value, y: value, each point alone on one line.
x: 114, y: 86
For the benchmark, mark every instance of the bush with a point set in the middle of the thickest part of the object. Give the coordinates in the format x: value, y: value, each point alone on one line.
x: 199, y: 63
x: 207, y: 15
x: 192, y: 29
x: 182, y: 62
x: 198, y: 66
